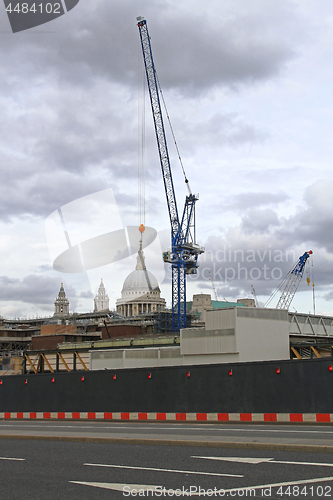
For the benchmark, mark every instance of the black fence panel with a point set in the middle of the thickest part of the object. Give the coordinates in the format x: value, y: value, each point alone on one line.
x: 301, y: 386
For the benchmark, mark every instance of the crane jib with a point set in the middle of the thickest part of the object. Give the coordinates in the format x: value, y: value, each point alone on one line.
x: 292, y: 282
x: 184, y: 252
x: 159, y: 127
x: 299, y: 268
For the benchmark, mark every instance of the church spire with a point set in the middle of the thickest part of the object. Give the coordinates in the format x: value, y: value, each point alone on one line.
x: 140, y: 260
x: 101, y: 300
x: 61, y: 305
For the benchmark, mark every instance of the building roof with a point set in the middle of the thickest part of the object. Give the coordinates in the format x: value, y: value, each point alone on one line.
x: 217, y: 304
x: 136, y: 283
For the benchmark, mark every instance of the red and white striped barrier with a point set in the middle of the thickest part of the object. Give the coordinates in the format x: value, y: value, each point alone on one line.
x: 189, y: 417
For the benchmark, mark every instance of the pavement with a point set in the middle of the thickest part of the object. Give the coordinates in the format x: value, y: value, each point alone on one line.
x: 288, y: 437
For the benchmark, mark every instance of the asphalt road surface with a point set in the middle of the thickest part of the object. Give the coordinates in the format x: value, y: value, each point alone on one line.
x: 275, y: 436
x: 61, y: 470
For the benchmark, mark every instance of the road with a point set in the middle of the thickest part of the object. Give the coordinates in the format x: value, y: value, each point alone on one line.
x: 58, y: 470
x: 272, y: 436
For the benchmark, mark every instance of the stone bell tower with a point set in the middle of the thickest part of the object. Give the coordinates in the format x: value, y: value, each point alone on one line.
x: 61, y: 305
x: 101, y: 301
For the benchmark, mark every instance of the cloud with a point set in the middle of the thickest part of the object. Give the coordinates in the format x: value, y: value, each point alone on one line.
x: 232, y: 74
x: 264, y: 247
x: 260, y: 221
x: 314, y: 223
x: 218, y: 131
x: 209, y: 47
x: 221, y: 45
x: 251, y: 200
x: 34, y: 289
x: 87, y: 294
x: 68, y: 97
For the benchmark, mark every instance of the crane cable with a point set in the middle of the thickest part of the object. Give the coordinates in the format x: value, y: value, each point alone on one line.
x: 310, y: 274
x: 279, y: 288
x: 173, y: 135
x: 141, y: 145
x: 313, y: 290
x: 283, y: 283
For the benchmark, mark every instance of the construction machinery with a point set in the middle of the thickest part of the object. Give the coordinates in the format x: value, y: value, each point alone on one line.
x: 184, y: 251
x: 213, y: 286
x: 291, y: 283
x: 254, y: 296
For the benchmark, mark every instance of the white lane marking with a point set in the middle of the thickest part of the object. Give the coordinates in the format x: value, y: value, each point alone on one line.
x: 318, y: 464
x: 239, y: 459
x: 265, y: 460
x: 120, y: 486
x: 15, y: 459
x: 164, y: 470
x: 145, y: 488
x: 277, y: 485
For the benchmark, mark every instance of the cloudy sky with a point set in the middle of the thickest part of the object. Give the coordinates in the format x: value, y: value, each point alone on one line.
x: 248, y: 89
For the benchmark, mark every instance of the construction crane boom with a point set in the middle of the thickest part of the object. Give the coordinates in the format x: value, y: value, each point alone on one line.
x: 213, y: 286
x: 159, y: 126
x: 292, y: 282
x: 255, y: 296
x: 184, y: 249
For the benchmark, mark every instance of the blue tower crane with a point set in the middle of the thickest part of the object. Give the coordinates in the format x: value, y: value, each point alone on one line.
x: 184, y: 249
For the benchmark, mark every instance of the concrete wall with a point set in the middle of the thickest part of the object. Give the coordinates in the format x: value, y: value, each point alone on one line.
x: 214, y: 344
x: 198, y: 341
x: 220, y: 319
x: 132, y: 358
x: 262, y: 334
x: 238, y: 334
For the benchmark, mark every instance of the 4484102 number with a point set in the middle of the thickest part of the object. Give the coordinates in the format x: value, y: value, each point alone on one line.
x: 317, y: 491
x: 35, y: 8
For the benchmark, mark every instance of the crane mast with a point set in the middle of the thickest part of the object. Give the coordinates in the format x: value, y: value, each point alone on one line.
x: 184, y: 249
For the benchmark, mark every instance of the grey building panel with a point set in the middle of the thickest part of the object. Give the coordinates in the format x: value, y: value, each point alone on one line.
x: 261, y: 313
x: 108, y: 355
x: 170, y: 353
x: 141, y: 353
x: 202, y: 333
x: 217, y: 344
x: 221, y: 319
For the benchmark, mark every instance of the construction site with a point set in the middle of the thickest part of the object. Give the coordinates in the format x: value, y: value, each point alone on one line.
x: 140, y: 329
